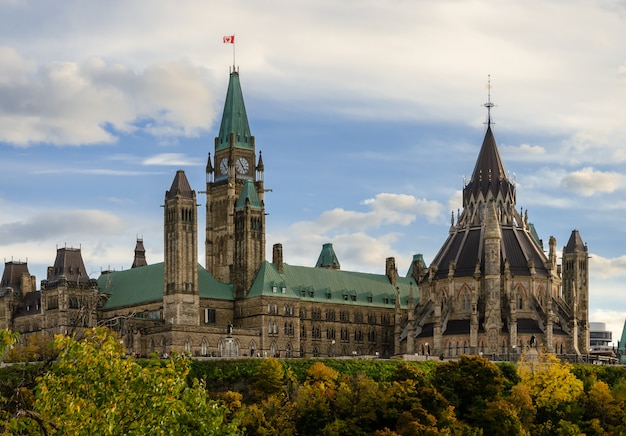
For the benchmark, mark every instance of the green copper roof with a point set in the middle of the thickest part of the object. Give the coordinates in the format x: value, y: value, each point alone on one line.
x: 248, y: 192
x: 234, y: 118
x: 145, y: 284
x: 332, y: 286
x: 416, y: 257
x: 328, y: 258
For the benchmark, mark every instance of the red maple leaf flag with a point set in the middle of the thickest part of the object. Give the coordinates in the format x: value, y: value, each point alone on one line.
x: 229, y: 39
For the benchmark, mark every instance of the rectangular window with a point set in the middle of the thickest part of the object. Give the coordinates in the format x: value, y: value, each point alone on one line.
x: 209, y: 316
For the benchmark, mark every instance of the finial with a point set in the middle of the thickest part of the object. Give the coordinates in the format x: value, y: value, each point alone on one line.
x: 489, y: 104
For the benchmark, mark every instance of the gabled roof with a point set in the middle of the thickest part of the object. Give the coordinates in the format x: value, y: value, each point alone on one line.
x: 180, y: 186
x: 332, y: 286
x: 328, y: 258
x: 234, y: 118
x: 248, y: 193
x: 144, y: 285
x: 575, y: 243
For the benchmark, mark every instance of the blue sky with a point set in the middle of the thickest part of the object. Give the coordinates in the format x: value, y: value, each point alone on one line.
x: 368, y: 115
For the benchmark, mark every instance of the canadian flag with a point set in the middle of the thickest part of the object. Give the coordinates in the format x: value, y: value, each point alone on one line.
x: 229, y: 39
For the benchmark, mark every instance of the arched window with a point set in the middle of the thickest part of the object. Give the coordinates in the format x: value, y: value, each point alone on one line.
x: 458, y: 348
x: 450, y: 349
x: 204, y: 347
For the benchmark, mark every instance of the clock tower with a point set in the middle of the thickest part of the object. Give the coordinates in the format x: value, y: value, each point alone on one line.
x: 234, y: 165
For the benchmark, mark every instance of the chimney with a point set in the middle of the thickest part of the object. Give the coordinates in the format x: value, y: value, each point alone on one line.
x: 390, y: 270
x: 277, y: 257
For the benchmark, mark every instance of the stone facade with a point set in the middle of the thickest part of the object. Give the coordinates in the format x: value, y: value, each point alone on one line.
x: 239, y: 304
x: 491, y: 290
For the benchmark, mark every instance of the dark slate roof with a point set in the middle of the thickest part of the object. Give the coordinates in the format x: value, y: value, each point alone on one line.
x: 180, y: 186
x: 525, y: 325
x: 234, y: 118
x: 575, y: 243
x: 248, y: 193
x: 30, y: 304
x: 427, y: 331
x: 12, y: 275
x: 458, y: 327
x: 327, y: 258
x: 329, y: 285
x: 489, y: 173
x: 465, y: 247
x: 68, y: 265
x: 144, y: 285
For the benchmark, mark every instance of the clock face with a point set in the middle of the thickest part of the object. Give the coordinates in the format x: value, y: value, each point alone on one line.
x: 242, y: 165
x: 224, y: 166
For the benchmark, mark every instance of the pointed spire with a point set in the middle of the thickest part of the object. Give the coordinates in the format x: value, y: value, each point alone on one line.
x: 209, y: 165
x: 180, y: 186
x: 489, y: 174
x: 140, y: 254
x: 489, y: 104
x: 234, y: 127
x: 260, y: 167
x: 575, y: 243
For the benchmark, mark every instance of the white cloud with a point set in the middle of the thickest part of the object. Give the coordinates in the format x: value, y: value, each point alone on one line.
x: 524, y: 153
x: 605, y: 268
x: 587, y: 181
x: 361, y: 240
x: 170, y: 159
x: 69, y: 103
x: 385, y: 209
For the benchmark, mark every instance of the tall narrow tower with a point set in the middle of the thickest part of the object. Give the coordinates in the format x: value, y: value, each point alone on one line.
x: 234, y: 165
x: 181, y: 299
x: 249, y: 239
x: 576, y: 289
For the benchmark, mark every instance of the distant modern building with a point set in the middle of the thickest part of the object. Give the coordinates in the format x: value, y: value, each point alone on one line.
x: 490, y: 290
x: 600, y: 340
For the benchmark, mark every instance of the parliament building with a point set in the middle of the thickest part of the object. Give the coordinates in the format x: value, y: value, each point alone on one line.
x: 490, y: 290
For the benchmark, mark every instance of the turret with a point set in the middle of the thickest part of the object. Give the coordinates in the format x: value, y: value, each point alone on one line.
x: 180, y: 288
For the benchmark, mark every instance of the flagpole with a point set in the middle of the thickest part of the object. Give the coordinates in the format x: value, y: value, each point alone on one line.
x: 233, y: 52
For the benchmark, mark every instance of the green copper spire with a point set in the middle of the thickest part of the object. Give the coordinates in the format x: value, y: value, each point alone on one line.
x: 234, y: 119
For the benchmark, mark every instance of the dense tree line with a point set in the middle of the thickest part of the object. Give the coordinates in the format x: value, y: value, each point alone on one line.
x: 89, y: 386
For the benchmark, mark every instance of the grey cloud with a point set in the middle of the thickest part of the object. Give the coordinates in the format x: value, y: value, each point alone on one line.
x: 52, y: 225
